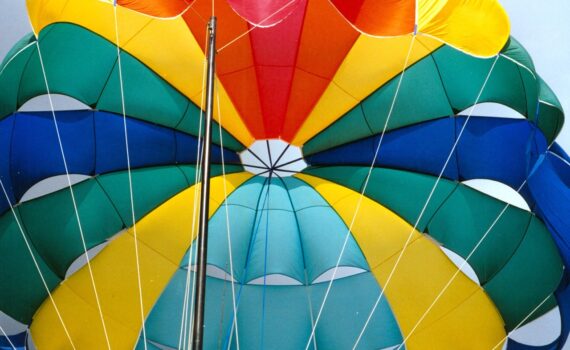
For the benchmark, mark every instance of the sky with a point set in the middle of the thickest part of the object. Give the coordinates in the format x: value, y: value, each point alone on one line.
x: 541, y: 26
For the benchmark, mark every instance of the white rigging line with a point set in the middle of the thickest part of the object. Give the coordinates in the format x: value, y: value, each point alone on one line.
x: 187, y: 309
x: 133, y: 219
x: 28, y: 246
x: 72, y: 192
x: 522, y: 322
x: 406, y: 244
x: 7, y: 338
x: 227, y: 222
x: 459, y: 269
x: 361, y: 196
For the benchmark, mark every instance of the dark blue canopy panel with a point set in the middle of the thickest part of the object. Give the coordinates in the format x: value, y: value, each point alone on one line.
x: 493, y: 148
x: 93, y: 142
x: 514, y: 345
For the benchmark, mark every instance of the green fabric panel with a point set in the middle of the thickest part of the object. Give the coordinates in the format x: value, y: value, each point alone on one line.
x: 23, y: 290
x: 351, y: 126
x: 19, y: 45
x: 190, y: 124
x: 189, y: 171
x: 447, y: 82
x: 147, y: 96
x: 514, y: 50
x: 532, y: 273
x: 104, y: 209
x: 420, y: 83
x: 464, y: 76
x: 10, y: 76
x: 464, y: 219
x: 66, y: 54
x: 151, y: 187
x: 551, y: 116
x: 52, y: 225
x: 82, y: 65
x: 403, y: 192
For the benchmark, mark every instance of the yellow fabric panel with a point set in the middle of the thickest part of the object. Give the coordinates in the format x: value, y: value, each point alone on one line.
x: 83, y: 323
x: 420, y: 276
x: 144, y: 38
x: 452, y: 329
x: 478, y: 27
x: 370, y: 64
x: 164, y: 237
x: 94, y: 15
x: 334, y: 99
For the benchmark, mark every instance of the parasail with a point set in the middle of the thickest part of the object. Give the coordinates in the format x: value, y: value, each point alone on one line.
x: 341, y: 215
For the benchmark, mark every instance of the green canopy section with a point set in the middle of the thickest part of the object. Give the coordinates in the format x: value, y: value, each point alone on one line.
x: 22, y: 296
x: 50, y: 225
x: 82, y: 65
x: 517, y: 255
x: 444, y: 83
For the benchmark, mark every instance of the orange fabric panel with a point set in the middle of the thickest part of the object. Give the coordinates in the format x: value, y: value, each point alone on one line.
x: 232, y: 60
x: 305, y: 92
x: 312, y: 36
x: 325, y: 40
x: 379, y: 18
x: 247, y: 99
x: 162, y: 8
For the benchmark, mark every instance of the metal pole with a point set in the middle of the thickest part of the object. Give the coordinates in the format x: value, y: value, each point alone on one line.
x: 202, y: 240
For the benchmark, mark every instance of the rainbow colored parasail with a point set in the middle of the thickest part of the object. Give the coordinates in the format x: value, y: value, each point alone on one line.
x: 339, y: 207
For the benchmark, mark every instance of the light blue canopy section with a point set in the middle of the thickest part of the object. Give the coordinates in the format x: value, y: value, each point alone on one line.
x: 277, y: 317
x: 279, y: 226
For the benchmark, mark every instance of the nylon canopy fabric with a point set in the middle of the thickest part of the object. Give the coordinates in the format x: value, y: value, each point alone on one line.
x: 352, y: 251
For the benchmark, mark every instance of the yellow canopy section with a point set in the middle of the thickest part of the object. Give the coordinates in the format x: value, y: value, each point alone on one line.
x: 165, y: 45
x: 463, y: 318
x: 164, y: 236
x: 478, y: 27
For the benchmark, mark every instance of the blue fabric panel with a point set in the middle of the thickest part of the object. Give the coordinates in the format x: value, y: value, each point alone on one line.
x: 242, y: 206
x: 557, y: 149
x: 320, y: 223
x: 422, y: 147
x: 35, y: 149
x: 6, y: 127
x: 295, y: 236
x: 164, y: 321
x: 186, y: 147
x: 349, y: 303
x: 276, y: 248
x: 93, y: 142
x: 513, y: 345
x: 498, y: 149
x: 111, y: 150
x: 18, y: 340
x: 549, y: 185
x: 274, y: 317
x: 278, y: 317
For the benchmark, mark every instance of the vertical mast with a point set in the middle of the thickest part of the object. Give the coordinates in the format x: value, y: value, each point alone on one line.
x: 202, y: 240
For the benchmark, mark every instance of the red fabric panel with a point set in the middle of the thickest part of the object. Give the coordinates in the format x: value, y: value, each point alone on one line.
x: 275, y: 75
x: 265, y: 12
x: 381, y: 18
x: 326, y: 39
